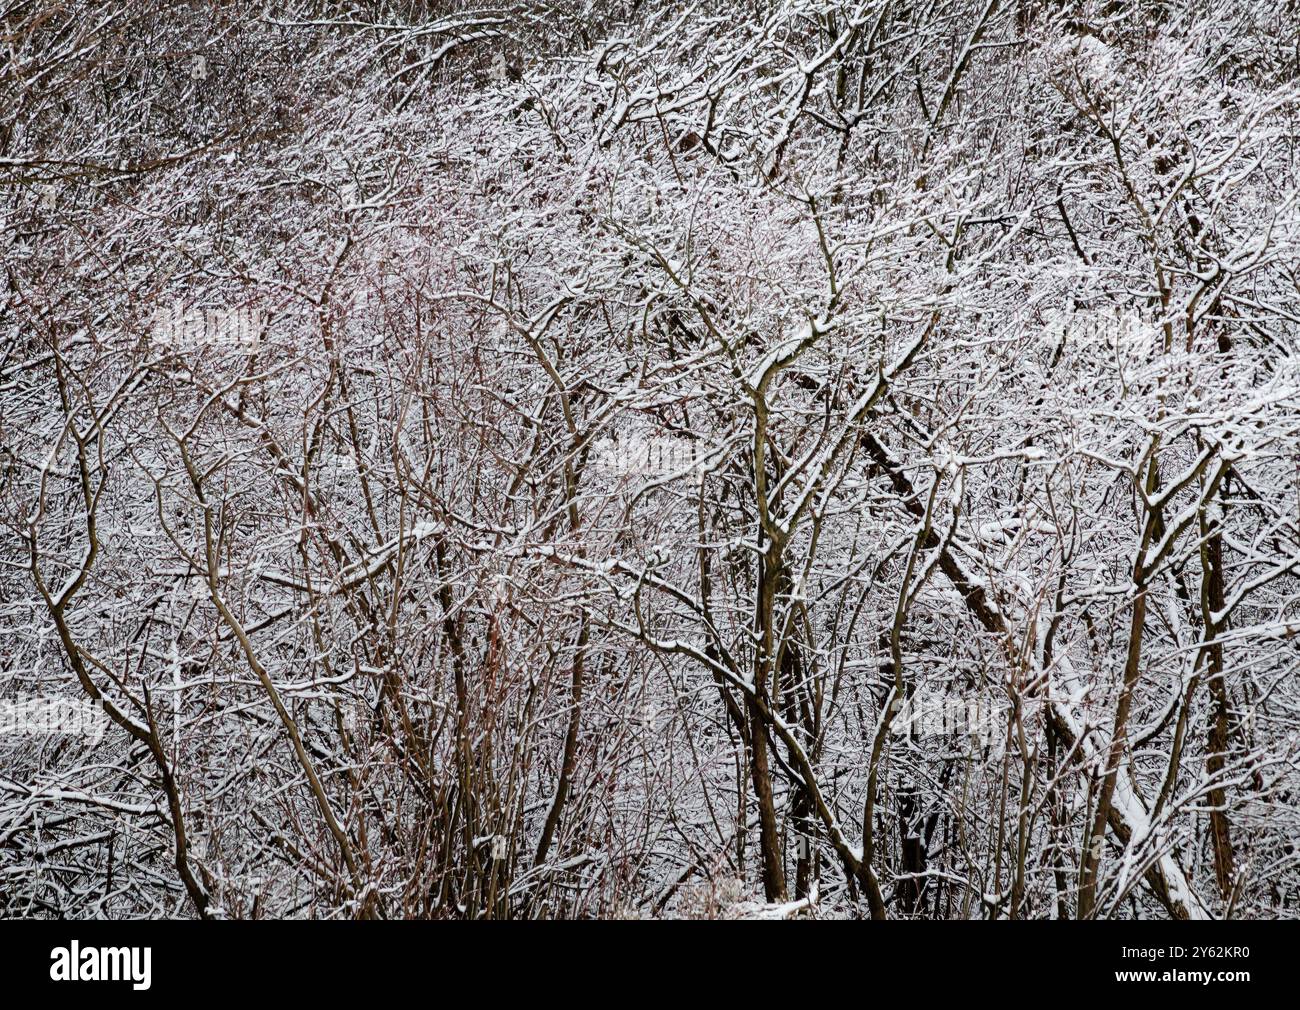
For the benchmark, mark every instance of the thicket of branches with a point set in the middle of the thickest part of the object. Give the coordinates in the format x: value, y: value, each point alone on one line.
x: 963, y: 336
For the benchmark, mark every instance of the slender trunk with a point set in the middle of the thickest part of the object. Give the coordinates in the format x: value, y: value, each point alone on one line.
x: 1114, y: 755
x: 1217, y: 743
x: 769, y: 839
x: 760, y: 773
x: 569, y: 760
